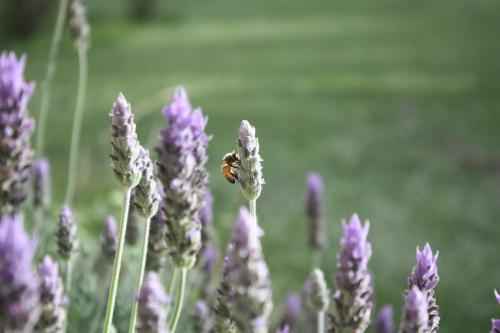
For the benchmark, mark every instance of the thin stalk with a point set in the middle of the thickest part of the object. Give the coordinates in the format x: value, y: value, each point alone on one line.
x: 174, y: 320
x: 69, y: 269
x: 115, y: 276
x: 316, y: 258
x: 133, y: 316
x: 77, y: 124
x: 51, y: 69
x: 253, y: 209
x: 171, y: 288
x: 321, y: 322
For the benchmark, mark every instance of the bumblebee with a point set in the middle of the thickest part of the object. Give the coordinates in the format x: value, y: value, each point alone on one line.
x: 230, y: 166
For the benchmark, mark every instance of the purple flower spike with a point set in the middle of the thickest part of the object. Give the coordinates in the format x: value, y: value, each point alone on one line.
x: 152, y: 301
x: 314, y: 211
x: 206, y: 219
x: 157, y: 242
x: 52, y: 298
x: 203, y: 320
x: 246, y: 288
x: 67, y: 241
x: 146, y: 197
x: 16, y: 128
x: 181, y: 169
x: 415, y: 316
x: 385, y: 322
x: 495, y: 323
x: 292, y: 312
x: 425, y: 276
x: 18, y: 292
x: 109, y: 239
x: 250, y: 167
x: 353, y: 297
x: 41, y: 183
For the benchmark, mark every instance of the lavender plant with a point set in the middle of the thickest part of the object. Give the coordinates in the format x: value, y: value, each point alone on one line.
x: 245, y: 289
x: 495, y: 323
x: 314, y: 212
x: 424, y: 275
x: 128, y: 167
x: 52, y: 300
x: 132, y: 235
x: 353, y: 297
x: 41, y: 184
x: 203, y: 320
x: 157, y: 242
x: 146, y: 199
x: 80, y: 32
x: 319, y: 297
x: 250, y: 166
x: 18, y: 281
x: 385, y: 322
x: 415, y: 313
x: 152, y: 300
x: 16, y: 128
x: 181, y: 169
x: 292, y: 312
x: 109, y: 239
x: 67, y: 241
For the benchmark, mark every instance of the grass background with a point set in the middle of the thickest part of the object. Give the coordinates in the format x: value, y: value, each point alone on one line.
x: 394, y: 102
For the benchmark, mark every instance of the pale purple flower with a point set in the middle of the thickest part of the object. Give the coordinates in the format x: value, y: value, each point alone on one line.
x: 109, y: 238
x: 245, y: 278
x: 18, y: 281
x: 284, y: 329
x: 415, y: 316
x: 314, y: 211
x: 353, y: 297
x: 152, y: 300
x: 250, y: 168
x: 16, y: 128
x: 203, y: 318
x: 67, y: 242
x: 385, y: 322
x: 181, y: 169
x: 292, y: 312
x: 424, y: 275
x: 125, y: 154
x: 51, y: 298
x: 41, y: 183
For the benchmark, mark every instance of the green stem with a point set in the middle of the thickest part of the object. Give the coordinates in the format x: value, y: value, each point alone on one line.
x: 69, y: 269
x: 117, y: 263
x: 172, y: 324
x: 253, y: 209
x: 51, y: 69
x: 316, y: 258
x: 77, y: 124
x: 133, y: 317
x: 171, y: 288
x: 321, y: 322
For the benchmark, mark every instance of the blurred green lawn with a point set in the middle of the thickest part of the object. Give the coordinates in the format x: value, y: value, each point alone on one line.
x: 395, y: 102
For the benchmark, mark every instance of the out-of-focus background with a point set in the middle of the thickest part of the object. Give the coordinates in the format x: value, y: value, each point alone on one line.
x: 395, y: 102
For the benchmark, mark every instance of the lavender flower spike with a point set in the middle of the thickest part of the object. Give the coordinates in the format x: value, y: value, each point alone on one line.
x: 41, y: 183
x: 203, y: 320
x: 157, y: 242
x: 146, y: 197
x: 52, y: 298
x: 181, y: 169
x: 78, y: 24
x: 425, y: 276
x: 152, y: 300
x: 67, y: 242
x: 319, y: 295
x: 353, y: 297
x: 246, y: 277
x: 495, y: 323
x: 314, y: 211
x: 18, y: 292
x: 415, y: 316
x: 285, y: 329
x: 125, y: 154
x: 16, y: 128
x: 250, y: 170
x: 109, y: 239
x: 385, y: 322
x: 292, y: 312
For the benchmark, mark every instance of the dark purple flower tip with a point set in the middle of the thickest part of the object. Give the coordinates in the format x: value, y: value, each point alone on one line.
x: 314, y: 211
x: 292, y: 310
x: 425, y: 272
x: 495, y: 326
x: 180, y: 110
x: 315, y: 184
x: 385, y: 323
x: 67, y: 241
